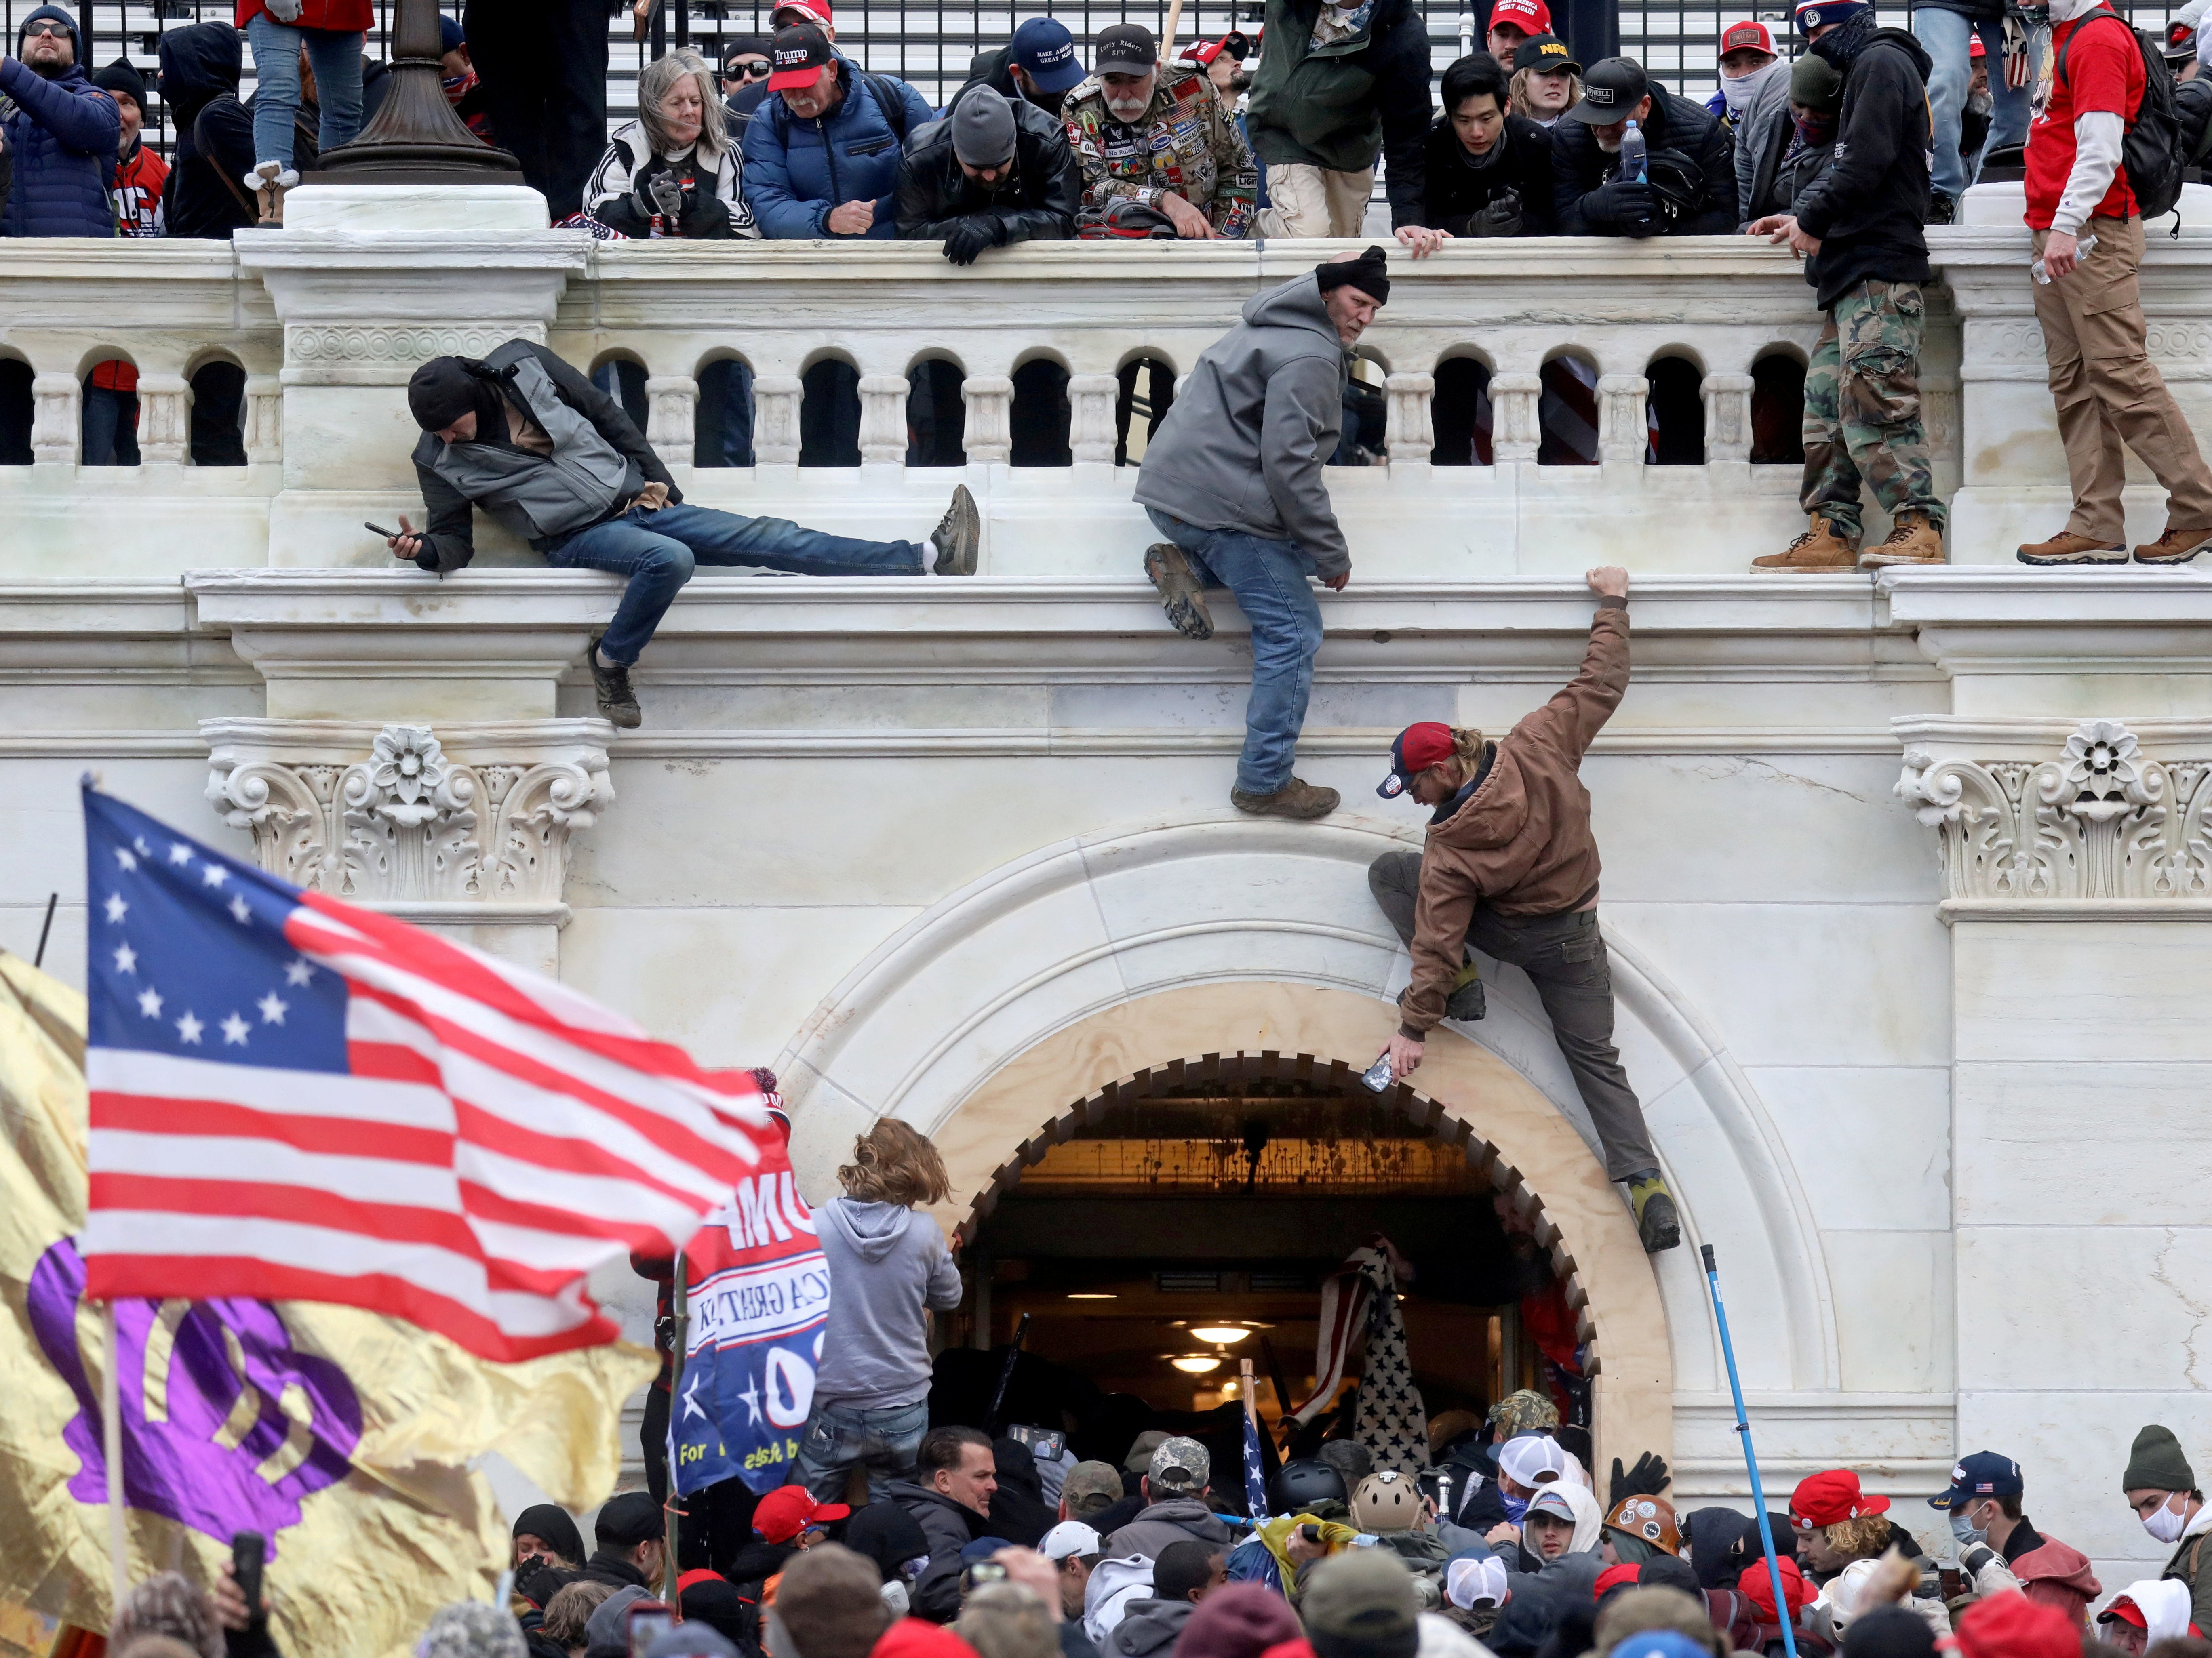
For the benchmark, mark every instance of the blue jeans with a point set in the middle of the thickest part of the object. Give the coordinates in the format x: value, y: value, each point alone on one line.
x: 111, y: 427
x: 1271, y: 579
x: 658, y: 552
x: 883, y: 1440
x: 1948, y: 37
x: 335, y: 59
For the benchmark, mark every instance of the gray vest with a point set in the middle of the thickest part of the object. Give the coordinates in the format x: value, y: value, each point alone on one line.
x: 537, y: 496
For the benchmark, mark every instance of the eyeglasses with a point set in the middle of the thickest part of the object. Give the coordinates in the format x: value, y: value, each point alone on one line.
x: 751, y: 71
x: 45, y: 25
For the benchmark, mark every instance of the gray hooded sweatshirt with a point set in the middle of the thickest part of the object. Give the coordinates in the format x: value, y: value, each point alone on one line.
x: 1149, y: 1629
x: 886, y: 1264
x: 1244, y: 443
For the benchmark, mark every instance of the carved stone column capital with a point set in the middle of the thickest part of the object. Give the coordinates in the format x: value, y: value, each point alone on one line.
x: 466, y: 824
x: 2049, y: 820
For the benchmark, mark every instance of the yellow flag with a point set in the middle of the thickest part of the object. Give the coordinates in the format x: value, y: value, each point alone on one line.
x: 346, y: 1438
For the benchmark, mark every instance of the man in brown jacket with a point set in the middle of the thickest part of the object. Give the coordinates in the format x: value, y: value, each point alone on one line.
x: 1511, y: 870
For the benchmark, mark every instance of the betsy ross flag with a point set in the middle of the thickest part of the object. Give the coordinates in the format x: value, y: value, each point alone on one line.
x: 296, y: 1099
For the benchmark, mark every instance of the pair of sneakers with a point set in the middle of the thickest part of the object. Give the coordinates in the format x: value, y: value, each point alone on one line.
x: 956, y: 539
x: 2176, y: 546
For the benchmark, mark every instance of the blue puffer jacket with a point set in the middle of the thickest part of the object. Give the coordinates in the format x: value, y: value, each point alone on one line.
x: 62, y: 134
x: 796, y: 170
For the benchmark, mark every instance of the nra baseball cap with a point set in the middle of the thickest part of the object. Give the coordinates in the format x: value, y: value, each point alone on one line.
x: 1046, y: 52
x: 1546, y: 54
x: 1529, y: 17
x: 802, y: 53
x: 1412, y: 751
x: 788, y: 12
x: 1125, y: 49
x: 1984, y: 1474
x: 1612, y: 88
x: 1748, y: 36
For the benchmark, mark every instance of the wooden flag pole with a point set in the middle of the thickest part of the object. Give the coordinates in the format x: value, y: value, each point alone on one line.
x: 1168, y: 34
x: 111, y: 1423
x: 1249, y: 1391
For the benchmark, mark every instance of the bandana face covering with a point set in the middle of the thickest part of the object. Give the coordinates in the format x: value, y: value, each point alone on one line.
x: 457, y: 86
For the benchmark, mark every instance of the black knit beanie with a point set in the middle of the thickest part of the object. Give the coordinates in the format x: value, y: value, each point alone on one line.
x: 1369, y: 273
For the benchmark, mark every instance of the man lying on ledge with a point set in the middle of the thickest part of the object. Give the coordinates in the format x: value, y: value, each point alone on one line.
x: 525, y: 436
x: 1510, y: 869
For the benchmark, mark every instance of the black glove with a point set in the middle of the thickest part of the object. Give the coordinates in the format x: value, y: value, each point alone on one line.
x: 1502, y: 217
x: 1648, y: 1478
x: 971, y: 236
x: 1626, y: 207
x: 537, y: 1579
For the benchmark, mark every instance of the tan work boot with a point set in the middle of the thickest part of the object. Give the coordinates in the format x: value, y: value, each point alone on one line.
x: 1818, y: 549
x: 2175, y: 547
x: 2068, y: 548
x: 1295, y: 799
x: 1914, y: 541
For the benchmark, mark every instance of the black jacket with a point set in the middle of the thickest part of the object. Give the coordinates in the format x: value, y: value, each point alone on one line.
x: 1453, y: 190
x: 205, y: 195
x: 1037, y: 203
x: 607, y: 1567
x: 1869, y: 208
x: 1695, y: 141
x: 450, y: 540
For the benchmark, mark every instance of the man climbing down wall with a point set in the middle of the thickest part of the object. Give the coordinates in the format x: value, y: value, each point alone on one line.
x: 1511, y: 870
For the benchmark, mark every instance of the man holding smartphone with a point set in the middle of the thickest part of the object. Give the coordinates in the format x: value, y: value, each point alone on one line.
x: 522, y: 433
x: 1510, y: 869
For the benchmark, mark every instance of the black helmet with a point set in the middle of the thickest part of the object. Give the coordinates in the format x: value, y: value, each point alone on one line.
x: 1302, y: 1484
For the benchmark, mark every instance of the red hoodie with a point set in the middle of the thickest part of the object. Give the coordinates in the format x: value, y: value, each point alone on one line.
x: 138, y: 182
x: 2056, y: 1574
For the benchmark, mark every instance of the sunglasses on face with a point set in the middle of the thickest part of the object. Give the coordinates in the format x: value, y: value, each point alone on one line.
x: 44, y: 26
x: 751, y: 71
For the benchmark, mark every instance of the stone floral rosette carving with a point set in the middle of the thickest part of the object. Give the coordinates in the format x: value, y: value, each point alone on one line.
x: 482, y: 815
x: 2098, y: 820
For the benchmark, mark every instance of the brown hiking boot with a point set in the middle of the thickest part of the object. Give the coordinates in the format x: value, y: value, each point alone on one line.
x: 1818, y: 549
x: 1914, y: 541
x: 2067, y: 547
x: 1294, y: 799
x: 2175, y: 547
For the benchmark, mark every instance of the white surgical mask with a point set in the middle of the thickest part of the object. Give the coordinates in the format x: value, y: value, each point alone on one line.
x: 1965, y: 1531
x: 2164, y: 1522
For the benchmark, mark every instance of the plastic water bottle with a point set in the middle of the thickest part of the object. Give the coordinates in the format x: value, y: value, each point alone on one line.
x: 1635, y: 156
x: 2035, y: 267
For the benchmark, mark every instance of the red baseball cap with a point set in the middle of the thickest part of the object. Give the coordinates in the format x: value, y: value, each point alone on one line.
x: 1614, y: 1577
x: 2125, y: 1611
x: 790, y: 1510
x: 1416, y: 747
x: 1830, y: 1498
x: 2014, y: 1626
x: 1748, y: 36
x: 1976, y: 48
x: 810, y: 11
x: 1530, y: 16
x: 1756, y: 1585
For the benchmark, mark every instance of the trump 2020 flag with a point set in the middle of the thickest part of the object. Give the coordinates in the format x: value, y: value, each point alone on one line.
x: 294, y: 1098
x: 759, y: 1302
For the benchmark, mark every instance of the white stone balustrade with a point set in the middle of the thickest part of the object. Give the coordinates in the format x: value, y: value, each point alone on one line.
x: 330, y: 316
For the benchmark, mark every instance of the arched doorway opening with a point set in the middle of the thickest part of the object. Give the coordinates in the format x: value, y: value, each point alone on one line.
x: 1167, y: 1227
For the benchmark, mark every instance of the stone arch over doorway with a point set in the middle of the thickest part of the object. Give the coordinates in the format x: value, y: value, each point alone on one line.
x: 989, y: 1016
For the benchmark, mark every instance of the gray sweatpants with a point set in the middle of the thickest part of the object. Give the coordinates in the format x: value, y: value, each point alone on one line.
x: 1563, y: 957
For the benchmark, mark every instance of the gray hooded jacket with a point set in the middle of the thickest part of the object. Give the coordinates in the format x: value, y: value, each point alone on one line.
x: 1763, y: 130
x: 1243, y: 445
x: 1176, y: 1520
x: 1149, y: 1628
x: 886, y: 1264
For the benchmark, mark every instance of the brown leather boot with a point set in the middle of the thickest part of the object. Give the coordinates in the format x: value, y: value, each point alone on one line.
x: 1914, y: 541
x: 2175, y: 547
x: 1295, y: 799
x: 1818, y: 549
x: 2068, y: 548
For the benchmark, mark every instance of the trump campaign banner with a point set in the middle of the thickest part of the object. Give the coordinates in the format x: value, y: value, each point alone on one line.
x: 759, y: 1299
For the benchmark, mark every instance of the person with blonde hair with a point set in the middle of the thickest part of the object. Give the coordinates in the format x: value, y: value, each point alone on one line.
x: 1545, y: 86
x: 673, y: 170
x: 889, y: 1268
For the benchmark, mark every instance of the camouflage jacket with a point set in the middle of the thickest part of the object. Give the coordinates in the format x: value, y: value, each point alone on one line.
x: 1187, y: 142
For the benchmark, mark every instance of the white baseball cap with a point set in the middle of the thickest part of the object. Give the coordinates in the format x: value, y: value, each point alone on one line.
x: 1532, y: 1459
x: 1070, y: 1537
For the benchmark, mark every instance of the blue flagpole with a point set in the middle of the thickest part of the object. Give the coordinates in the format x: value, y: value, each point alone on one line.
x: 1783, y: 1612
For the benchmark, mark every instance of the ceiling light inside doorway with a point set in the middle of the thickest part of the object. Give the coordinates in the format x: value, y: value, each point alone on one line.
x: 1221, y: 1333
x: 1196, y: 1364
x: 1091, y: 1295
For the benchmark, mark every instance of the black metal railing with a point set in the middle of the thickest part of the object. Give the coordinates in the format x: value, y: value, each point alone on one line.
x: 930, y: 43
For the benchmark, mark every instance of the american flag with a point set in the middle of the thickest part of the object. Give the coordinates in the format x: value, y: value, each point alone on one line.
x: 296, y: 1099
x: 1255, y: 1478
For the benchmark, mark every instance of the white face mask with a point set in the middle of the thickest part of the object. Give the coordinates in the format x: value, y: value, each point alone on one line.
x: 2164, y: 1522
x: 1738, y: 90
x: 1966, y: 1530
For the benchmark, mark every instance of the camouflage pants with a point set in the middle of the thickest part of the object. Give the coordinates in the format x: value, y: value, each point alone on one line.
x: 1863, y: 409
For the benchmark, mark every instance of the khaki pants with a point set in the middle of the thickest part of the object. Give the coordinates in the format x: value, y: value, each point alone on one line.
x: 1312, y: 201
x: 2109, y: 391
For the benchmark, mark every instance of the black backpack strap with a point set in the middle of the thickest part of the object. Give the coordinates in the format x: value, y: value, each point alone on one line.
x: 2058, y: 69
x: 893, y: 106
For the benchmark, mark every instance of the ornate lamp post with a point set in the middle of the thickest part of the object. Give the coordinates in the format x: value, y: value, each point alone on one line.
x: 416, y: 138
